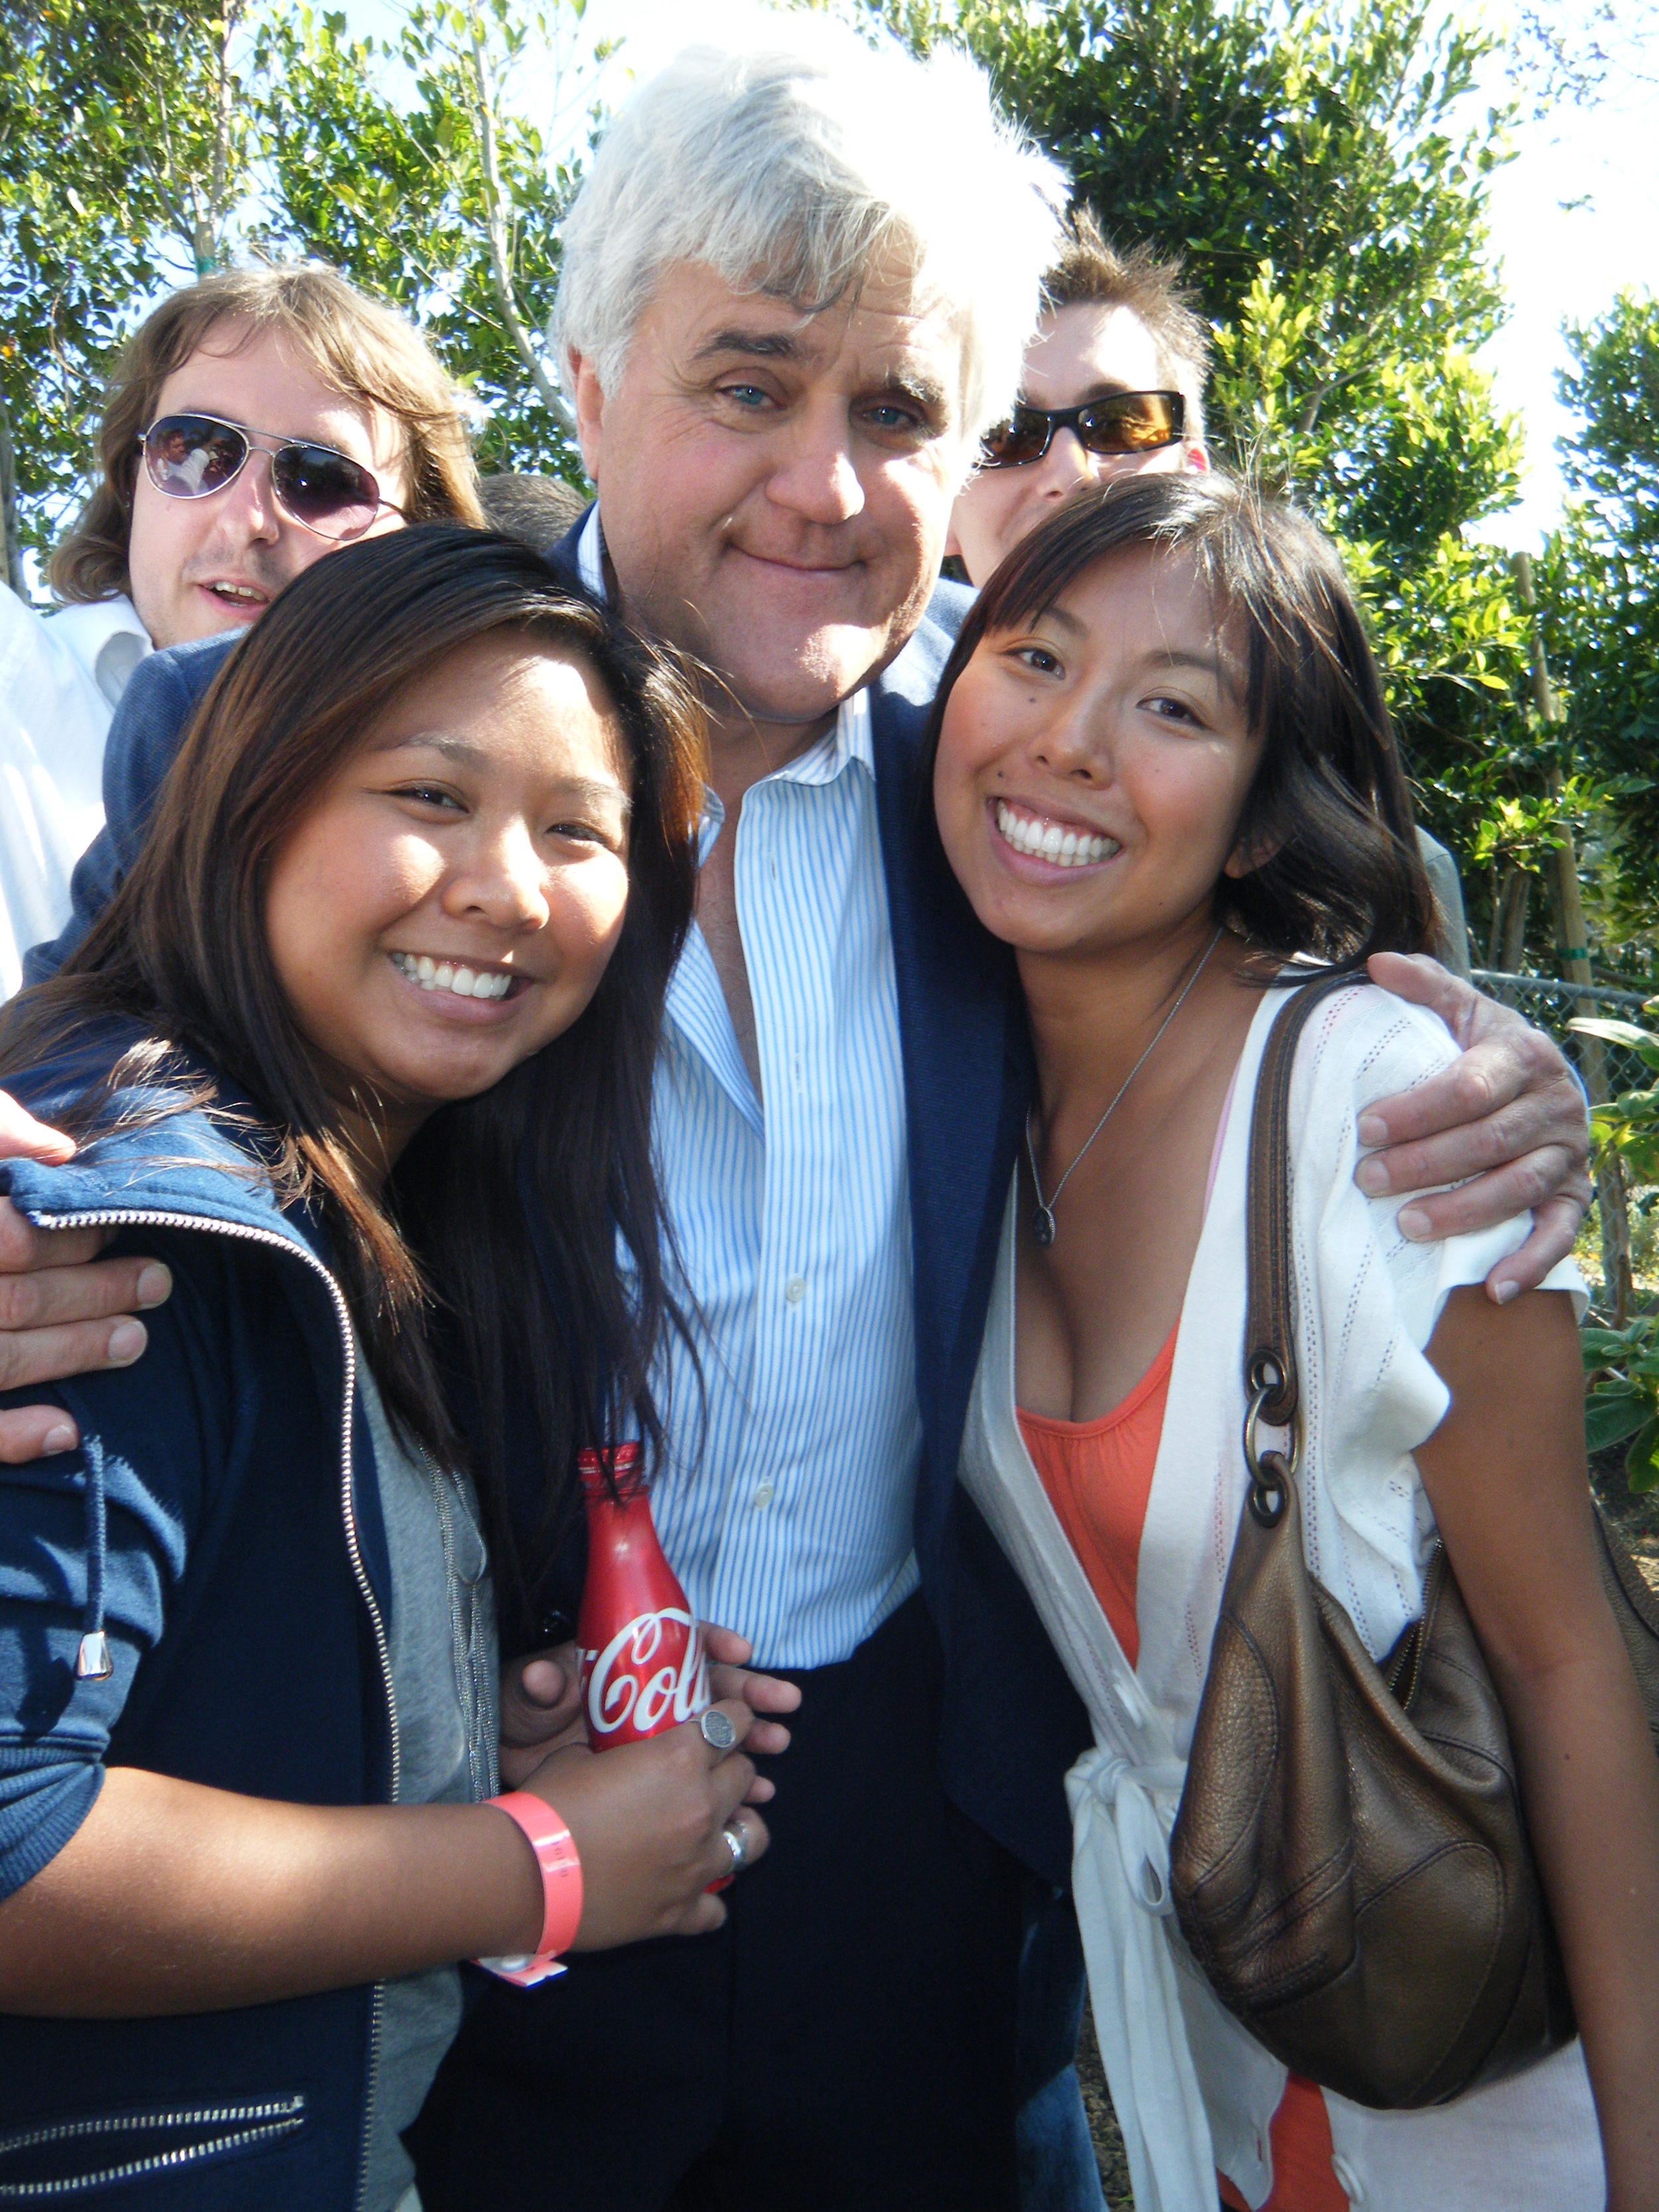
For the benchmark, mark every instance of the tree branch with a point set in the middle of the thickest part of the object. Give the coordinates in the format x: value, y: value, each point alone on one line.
x: 496, y: 231
x: 208, y: 227
x: 182, y: 220
x: 14, y: 551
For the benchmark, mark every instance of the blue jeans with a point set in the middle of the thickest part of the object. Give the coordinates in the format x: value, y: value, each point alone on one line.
x: 1057, y: 2167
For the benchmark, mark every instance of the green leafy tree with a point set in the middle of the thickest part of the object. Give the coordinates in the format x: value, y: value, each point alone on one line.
x: 1601, y: 590
x: 442, y: 200
x: 1323, y: 174
x: 123, y: 149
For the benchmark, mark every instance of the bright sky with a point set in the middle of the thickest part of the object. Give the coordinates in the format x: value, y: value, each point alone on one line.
x: 1574, y: 222
x: 1575, y: 217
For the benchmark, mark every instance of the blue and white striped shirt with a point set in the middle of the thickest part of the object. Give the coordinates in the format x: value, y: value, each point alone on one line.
x: 787, y: 1510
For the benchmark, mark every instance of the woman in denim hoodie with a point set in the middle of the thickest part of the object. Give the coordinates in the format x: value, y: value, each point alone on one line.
x: 375, y: 1011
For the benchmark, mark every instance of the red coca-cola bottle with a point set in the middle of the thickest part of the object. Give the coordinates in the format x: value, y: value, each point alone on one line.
x: 642, y: 1664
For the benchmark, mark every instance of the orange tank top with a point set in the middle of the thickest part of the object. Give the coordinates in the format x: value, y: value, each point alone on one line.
x: 1098, y: 1476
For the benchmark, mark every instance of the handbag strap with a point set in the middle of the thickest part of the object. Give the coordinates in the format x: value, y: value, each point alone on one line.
x: 1270, y: 1375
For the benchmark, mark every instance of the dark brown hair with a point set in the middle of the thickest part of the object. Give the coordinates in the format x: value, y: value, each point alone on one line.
x: 1328, y: 809
x: 536, y: 510
x: 1092, y: 272
x: 354, y: 345
x: 554, y: 1345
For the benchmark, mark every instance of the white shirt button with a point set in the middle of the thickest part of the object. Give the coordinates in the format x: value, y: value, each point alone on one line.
x: 794, y: 1289
x: 763, y: 1494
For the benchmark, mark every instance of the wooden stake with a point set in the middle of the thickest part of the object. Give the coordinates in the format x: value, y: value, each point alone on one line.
x: 1572, y: 950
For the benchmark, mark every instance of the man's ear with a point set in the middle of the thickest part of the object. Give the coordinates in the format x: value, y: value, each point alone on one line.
x: 587, y: 397
x: 1198, y: 459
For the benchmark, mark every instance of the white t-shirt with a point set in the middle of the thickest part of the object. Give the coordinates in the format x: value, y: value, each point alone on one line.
x: 61, y: 676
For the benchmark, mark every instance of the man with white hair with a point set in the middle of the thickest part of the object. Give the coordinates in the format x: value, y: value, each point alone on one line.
x: 796, y: 288
x: 786, y: 322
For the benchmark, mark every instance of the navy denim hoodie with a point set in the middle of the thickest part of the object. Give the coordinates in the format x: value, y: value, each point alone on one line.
x: 220, y: 1526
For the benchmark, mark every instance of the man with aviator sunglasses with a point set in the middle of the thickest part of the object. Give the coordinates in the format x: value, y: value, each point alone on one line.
x: 317, y: 486
x: 257, y: 420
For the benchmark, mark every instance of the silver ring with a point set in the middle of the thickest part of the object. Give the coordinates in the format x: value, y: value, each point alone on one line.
x: 737, y: 1842
x: 718, y: 1732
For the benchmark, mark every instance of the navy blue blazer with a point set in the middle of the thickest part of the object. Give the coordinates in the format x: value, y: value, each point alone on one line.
x: 1012, y: 1724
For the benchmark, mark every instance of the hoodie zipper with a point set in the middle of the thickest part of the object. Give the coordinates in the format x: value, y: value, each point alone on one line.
x: 250, y: 2125
x: 154, y: 1217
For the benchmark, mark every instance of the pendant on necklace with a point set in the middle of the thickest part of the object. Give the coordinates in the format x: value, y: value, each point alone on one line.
x: 1042, y: 1226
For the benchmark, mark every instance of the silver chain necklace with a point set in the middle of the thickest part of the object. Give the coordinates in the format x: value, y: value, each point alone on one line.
x: 1043, y: 1220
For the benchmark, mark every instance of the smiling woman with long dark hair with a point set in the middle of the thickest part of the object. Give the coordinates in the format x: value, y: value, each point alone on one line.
x: 1165, y: 777
x: 364, y: 1047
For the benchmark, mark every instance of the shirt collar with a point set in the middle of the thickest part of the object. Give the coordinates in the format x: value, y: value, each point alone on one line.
x: 590, y: 555
x: 107, y: 639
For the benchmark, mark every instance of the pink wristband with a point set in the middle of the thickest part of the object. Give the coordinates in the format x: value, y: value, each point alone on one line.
x: 562, y: 1888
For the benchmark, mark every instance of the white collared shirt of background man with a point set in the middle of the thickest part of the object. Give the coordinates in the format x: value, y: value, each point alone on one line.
x: 61, y: 676
x: 789, y: 1506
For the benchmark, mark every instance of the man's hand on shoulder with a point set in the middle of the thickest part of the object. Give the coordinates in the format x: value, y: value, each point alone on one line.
x: 62, y: 1311
x: 1506, y: 1123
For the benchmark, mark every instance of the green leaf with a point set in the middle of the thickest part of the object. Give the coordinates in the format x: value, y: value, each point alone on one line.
x: 1615, y: 1032
x: 1610, y: 1416
x: 1642, y: 1460
x: 1605, y: 1347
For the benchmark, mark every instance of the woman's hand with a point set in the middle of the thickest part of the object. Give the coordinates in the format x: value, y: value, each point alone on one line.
x: 541, y: 1710
x: 649, y: 1822
x: 541, y: 1702
x: 1508, y: 1116
x: 172, y: 1898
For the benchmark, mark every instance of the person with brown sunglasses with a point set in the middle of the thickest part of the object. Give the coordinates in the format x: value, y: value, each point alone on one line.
x: 1113, y: 386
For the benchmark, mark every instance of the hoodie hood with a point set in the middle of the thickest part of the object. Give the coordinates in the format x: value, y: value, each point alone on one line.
x: 163, y: 1161
x: 160, y: 1152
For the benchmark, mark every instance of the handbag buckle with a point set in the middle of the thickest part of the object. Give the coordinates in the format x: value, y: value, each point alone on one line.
x: 1270, y: 1471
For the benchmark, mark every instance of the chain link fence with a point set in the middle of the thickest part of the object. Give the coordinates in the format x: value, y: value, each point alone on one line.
x: 1551, y: 1005
x: 1625, y: 1237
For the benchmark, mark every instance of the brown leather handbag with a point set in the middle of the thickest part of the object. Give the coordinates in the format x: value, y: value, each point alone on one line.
x: 1349, y: 1864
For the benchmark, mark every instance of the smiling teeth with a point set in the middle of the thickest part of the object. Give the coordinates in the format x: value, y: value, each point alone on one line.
x: 1066, y: 849
x: 442, y: 976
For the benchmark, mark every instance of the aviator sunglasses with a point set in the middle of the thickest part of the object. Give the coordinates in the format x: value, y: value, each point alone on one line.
x: 1120, y: 422
x: 325, y: 492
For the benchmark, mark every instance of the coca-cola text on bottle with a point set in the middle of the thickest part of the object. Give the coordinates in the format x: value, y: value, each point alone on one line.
x: 643, y: 1668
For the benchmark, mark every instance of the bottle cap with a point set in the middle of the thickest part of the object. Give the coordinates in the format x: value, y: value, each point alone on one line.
x: 622, y: 1463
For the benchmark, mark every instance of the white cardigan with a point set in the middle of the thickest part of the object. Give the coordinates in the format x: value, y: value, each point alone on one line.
x: 1192, y: 2089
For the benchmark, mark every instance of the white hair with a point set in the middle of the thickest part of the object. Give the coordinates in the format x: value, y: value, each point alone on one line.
x: 794, y: 170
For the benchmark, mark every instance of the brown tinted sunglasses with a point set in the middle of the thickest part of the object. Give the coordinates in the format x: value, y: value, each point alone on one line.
x: 1121, y: 423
